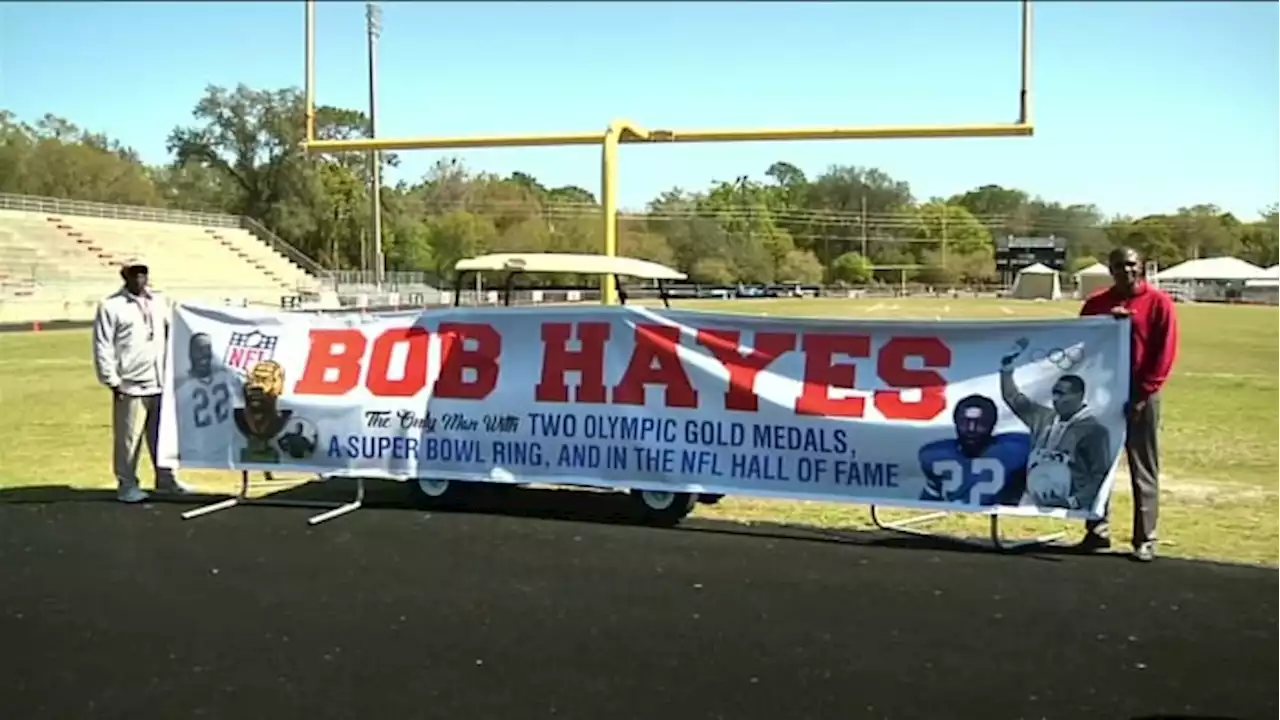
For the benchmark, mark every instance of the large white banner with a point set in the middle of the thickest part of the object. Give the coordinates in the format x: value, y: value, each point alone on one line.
x: 1021, y: 417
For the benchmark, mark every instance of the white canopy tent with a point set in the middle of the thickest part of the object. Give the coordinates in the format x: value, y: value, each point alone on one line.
x: 1218, y: 269
x: 1209, y: 279
x: 1270, y: 278
x: 1037, y: 282
x: 1092, y: 279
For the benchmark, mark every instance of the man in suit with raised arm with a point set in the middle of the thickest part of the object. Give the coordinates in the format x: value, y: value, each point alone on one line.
x: 1070, y: 449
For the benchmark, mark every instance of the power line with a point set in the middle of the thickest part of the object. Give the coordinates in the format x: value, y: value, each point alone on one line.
x: 901, y: 220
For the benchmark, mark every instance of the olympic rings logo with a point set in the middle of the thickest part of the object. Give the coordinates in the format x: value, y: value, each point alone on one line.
x: 1064, y: 359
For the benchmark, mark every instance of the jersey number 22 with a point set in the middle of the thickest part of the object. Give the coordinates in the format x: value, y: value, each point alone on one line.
x: 984, y: 476
x: 213, y: 405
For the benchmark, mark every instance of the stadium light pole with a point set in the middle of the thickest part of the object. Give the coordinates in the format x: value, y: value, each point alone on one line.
x: 373, y: 17
x: 310, y: 70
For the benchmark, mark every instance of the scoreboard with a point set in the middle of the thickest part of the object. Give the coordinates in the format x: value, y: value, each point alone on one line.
x: 1015, y: 253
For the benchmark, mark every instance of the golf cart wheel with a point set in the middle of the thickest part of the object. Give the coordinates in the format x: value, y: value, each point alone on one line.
x: 439, y: 494
x: 661, y: 508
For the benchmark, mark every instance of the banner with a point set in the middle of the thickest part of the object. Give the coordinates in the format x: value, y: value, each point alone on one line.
x: 1019, y: 417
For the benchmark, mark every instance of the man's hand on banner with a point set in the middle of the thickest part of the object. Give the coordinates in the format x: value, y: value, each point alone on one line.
x: 1018, y: 348
x: 1120, y: 312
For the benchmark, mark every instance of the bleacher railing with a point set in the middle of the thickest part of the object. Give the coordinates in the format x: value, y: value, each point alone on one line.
x: 59, y: 206
x: 391, y: 280
x: 53, y: 286
x: 287, y: 250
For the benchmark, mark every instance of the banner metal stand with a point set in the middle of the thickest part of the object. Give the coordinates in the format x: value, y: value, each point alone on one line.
x: 909, y: 526
x: 242, y: 498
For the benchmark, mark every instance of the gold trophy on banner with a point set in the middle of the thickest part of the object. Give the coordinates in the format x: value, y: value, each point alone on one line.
x: 260, y: 420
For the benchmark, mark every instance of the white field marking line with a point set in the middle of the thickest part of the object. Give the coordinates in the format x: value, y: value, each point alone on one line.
x: 1010, y: 311
x: 1223, y: 375
x: 1191, y: 488
x: 46, y: 361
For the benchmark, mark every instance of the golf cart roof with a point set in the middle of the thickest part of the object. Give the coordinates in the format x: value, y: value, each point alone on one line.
x: 569, y: 263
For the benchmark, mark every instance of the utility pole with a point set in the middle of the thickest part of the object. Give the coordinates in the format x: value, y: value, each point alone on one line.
x: 944, y: 235
x: 373, y: 17
x: 862, y: 222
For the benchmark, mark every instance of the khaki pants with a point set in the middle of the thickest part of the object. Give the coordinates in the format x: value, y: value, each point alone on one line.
x: 1143, y: 448
x: 135, y: 419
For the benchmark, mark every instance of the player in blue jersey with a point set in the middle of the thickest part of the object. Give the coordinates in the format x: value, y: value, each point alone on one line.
x: 977, y: 467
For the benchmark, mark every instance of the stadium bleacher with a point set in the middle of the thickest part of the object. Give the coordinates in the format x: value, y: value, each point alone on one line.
x: 56, y: 263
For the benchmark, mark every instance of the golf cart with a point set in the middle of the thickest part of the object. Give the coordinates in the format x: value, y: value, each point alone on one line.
x: 656, y: 507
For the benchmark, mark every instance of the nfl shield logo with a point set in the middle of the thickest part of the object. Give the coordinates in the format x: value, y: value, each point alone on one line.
x: 247, y: 349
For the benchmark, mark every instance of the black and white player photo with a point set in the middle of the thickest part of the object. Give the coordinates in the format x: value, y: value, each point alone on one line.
x: 1070, y: 449
x: 206, y: 397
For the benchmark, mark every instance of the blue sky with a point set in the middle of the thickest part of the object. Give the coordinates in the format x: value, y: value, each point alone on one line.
x: 1140, y: 107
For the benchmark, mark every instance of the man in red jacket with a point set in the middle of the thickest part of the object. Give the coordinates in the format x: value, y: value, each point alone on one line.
x: 1154, y: 346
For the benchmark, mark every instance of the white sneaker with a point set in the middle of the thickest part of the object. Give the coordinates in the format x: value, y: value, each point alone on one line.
x: 131, y: 495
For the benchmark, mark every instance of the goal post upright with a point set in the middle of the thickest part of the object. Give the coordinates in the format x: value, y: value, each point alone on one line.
x: 621, y: 132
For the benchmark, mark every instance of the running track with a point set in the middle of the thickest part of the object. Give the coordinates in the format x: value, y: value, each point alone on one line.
x: 110, y: 611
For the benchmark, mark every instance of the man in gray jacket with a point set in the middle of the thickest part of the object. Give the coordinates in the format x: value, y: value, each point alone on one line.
x: 1070, y: 450
x: 129, y: 335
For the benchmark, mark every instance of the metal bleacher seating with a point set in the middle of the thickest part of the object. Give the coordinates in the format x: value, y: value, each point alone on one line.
x: 58, y: 258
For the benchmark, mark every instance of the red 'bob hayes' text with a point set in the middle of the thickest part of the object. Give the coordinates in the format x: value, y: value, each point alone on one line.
x: 340, y: 360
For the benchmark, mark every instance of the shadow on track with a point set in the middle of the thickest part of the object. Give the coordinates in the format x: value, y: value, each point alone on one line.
x: 546, y: 504
x: 554, y: 604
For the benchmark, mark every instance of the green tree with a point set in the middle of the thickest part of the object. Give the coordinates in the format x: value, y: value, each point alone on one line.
x: 800, y: 266
x: 852, y: 268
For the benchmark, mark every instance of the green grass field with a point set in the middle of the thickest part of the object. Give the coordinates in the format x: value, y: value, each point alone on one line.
x: 1219, y: 439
